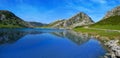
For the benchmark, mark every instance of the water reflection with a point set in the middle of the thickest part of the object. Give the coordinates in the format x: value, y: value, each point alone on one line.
x: 47, y: 43
x: 77, y: 38
x: 12, y: 35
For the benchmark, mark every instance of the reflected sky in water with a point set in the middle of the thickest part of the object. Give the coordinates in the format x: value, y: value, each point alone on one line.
x: 47, y: 43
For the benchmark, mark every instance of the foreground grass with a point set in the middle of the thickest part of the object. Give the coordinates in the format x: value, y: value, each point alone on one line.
x: 101, y: 33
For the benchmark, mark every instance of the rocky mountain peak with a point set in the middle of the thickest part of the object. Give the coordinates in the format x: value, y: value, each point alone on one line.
x: 113, y: 12
x: 79, y: 20
x: 82, y: 14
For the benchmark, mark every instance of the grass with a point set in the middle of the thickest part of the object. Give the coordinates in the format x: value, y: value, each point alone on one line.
x: 112, y: 23
x: 9, y: 26
x: 113, y: 20
x: 101, y: 33
x: 110, y: 27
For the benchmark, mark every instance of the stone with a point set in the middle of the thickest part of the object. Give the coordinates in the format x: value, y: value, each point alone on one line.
x: 2, y: 16
x: 115, y: 48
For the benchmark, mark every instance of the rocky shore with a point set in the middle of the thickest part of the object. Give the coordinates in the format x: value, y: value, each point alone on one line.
x: 114, y: 47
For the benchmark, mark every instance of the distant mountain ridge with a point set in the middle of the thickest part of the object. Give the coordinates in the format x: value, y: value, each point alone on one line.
x: 37, y: 24
x: 9, y: 20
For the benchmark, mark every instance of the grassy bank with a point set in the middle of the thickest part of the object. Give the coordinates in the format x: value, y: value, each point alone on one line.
x: 100, y: 33
x: 110, y: 27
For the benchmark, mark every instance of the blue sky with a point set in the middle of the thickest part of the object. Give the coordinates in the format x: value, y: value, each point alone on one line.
x: 47, y: 11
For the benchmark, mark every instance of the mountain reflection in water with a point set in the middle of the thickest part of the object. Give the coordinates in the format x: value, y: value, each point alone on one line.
x: 77, y: 38
x: 48, y: 43
x: 12, y: 35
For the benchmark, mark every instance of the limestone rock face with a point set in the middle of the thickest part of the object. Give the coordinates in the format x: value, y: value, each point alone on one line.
x: 113, y: 12
x: 2, y: 16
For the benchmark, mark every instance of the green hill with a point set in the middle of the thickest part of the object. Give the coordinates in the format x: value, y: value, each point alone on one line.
x: 10, y: 20
x: 112, y: 22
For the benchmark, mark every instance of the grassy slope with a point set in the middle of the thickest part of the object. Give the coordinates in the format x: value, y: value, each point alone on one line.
x: 112, y: 23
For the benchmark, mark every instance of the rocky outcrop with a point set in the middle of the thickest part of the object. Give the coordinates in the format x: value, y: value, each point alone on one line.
x: 7, y: 18
x: 78, y: 20
x: 2, y: 16
x: 113, y: 12
x: 114, y: 51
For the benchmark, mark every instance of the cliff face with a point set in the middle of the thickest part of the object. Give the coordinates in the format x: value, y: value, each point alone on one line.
x: 9, y: 19
x: 113, y: 12
x: 77, y: 20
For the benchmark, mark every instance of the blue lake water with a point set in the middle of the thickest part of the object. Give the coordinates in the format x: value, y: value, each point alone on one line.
x: 48, y: 43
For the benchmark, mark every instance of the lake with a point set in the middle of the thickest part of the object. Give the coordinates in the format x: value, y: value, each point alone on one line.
x: 48, y: 43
